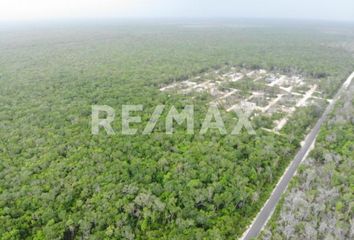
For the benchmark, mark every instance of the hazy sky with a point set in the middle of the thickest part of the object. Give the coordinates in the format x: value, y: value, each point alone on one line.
x: 59, y: 9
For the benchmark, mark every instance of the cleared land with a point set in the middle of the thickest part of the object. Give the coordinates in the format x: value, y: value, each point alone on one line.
x: 264, y: 93
x: 263, y: 216
x: 58, y: 181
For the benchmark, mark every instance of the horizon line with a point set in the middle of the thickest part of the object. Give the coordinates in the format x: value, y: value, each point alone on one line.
x: 149, y: 18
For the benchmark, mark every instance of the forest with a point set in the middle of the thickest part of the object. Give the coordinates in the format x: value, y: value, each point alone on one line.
x: 58, y: 181
x: 319, y: 202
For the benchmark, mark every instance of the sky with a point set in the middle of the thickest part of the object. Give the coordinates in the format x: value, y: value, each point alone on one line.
x: 24, y: 10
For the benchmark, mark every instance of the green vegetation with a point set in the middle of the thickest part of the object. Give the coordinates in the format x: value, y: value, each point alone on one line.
x: 59, y: 181
x: 319, y: 202
x: 247, y: 84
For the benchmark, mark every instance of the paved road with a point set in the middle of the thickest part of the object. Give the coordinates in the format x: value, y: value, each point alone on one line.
x: 269, y: 206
